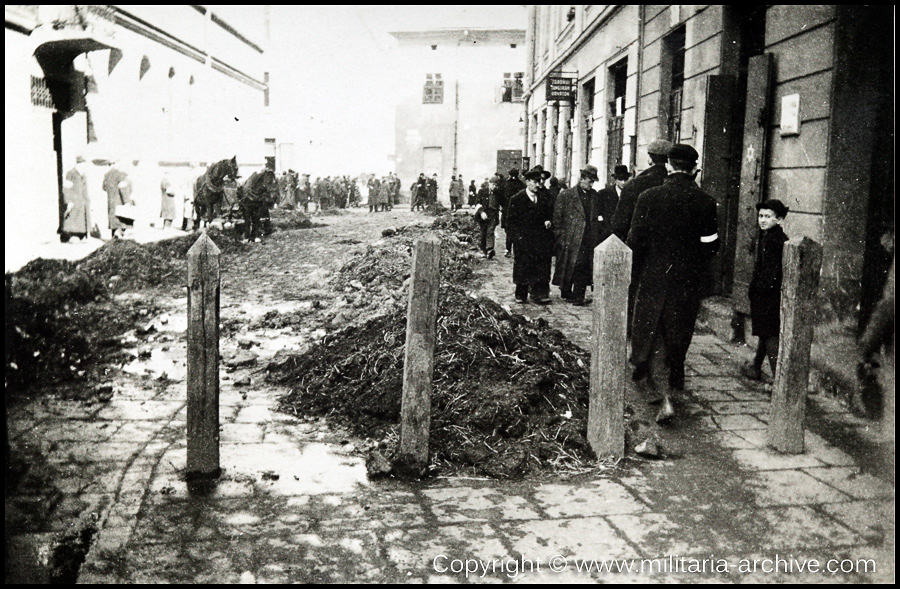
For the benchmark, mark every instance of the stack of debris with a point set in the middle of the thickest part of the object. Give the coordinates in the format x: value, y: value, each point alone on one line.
x: 510, y: 395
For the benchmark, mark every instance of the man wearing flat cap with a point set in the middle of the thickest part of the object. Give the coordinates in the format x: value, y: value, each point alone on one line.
x: 674, y: 235
x: 529, y: 227
x: 581, y: 221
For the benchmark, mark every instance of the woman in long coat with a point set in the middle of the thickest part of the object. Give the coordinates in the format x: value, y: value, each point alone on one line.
x: 77, y: 218
x: 118, y: 192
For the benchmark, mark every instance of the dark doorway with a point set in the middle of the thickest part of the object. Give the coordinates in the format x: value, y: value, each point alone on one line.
x: 878, y: 61
x: 746, y: 27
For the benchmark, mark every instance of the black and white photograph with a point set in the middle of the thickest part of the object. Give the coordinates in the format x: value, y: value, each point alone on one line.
x: 449, y: 294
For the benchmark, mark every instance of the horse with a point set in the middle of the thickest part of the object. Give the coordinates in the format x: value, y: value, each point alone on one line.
x: 255, y: 196
x: 209, y: 190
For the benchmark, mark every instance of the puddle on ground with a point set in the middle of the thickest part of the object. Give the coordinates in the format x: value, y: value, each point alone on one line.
x: 170, y: 362
x: 251, y: 311
x: 296, y: 467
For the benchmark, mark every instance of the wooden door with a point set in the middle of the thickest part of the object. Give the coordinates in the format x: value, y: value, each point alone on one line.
x: 753, y: 173
x: 508, y: 159
x: 719, y: 170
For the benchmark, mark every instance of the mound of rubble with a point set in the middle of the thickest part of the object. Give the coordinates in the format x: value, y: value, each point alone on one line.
x: 287, y: 219
x: 510, y: 395
x: 61, y: 324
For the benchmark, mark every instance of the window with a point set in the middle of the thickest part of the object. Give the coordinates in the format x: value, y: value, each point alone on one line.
x: 433, y: 92
x: 587, y: 106
x: 40, y: 93
x: 615, y: 130
x: 674, y: 48
x: 513, y: 86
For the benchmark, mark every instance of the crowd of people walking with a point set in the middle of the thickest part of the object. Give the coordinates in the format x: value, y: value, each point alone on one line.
x: 669, y: 223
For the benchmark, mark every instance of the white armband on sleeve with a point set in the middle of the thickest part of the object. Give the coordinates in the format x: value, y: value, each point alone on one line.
x: 709, y: 238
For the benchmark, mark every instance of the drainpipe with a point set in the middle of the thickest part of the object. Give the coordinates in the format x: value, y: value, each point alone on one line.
x: 456, y: 103
x: 637, y: 98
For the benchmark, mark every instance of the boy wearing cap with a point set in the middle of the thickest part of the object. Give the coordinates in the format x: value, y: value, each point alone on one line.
x: 765, y: 286
x: 673, y: 237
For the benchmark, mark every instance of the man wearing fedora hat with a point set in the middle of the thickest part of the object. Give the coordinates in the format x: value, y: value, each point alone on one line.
x: 674, y: 235
x: 581, y: 221
x: 658, y: 151
x: 528, y: 226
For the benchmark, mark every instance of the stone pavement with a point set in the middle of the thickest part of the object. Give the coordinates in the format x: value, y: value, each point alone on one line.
x: 294, y: 504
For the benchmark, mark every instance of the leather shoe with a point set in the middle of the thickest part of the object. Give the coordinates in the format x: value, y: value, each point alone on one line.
x: 580, y: 302
x: 522, y: 301
x: 752, y: 372
x: 640, y: 371
x: 666, y: 412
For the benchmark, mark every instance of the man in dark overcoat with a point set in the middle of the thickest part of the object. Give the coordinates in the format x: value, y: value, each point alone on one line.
x: 511, y: 187
x: 487, y: 213
x: 432, y: 189
x: 581, y: 221
x: 77, y: 216
x: 421, y: 193
x: 529, y: 227
x: 653, y: 176
x: 674, y: 235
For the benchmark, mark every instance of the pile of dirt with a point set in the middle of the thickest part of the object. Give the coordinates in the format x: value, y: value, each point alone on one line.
x: 62, y: 326
x: 510, y: 394
x: 286, y: 220
x: 127, y: 266
x: 435, y: 209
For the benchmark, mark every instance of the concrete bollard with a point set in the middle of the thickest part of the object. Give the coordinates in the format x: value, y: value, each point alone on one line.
x: 801, y: 264
x: 203, y: 359
x: 418, y: 365
x: 606, y: 411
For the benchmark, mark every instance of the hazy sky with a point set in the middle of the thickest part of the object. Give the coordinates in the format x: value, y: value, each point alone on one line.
x: 332, y: 86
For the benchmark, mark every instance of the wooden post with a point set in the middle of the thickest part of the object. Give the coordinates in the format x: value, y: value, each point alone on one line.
x: 418, y: 365
x: 203, y: 359
x: 606, y: 411
x: 801, y: 264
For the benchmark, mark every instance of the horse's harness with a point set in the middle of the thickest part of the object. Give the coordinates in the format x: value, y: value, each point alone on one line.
x: 253, y: 195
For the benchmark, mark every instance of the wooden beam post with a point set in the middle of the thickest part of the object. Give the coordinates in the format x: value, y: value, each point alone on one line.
x: 606, y: 411
x: 801, y: 263
x: 418, y: 364
x: 203, y: 359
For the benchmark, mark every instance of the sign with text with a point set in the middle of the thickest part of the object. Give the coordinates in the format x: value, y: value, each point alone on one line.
x: 561, y: 87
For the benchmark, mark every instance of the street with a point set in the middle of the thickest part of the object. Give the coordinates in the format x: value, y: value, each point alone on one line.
x: 294, y: 503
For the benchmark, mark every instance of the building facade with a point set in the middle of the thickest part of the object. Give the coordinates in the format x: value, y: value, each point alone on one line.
x: 461, y: 112
x: 783, y: 101
x: 153, y: 87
